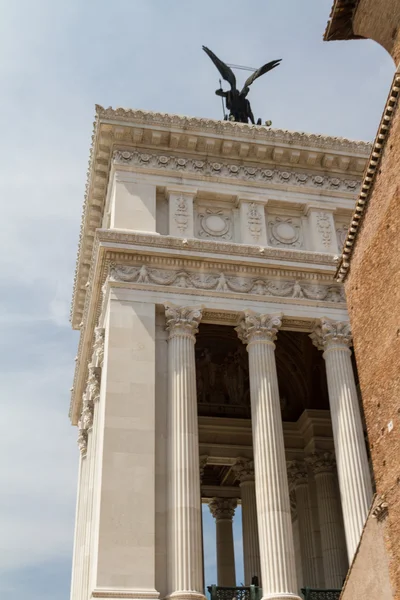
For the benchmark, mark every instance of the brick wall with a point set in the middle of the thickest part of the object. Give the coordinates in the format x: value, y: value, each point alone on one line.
x: 379, y: 20
x: 373, y: 296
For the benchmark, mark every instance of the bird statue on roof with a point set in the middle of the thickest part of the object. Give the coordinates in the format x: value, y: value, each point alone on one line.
x: 237, y: 102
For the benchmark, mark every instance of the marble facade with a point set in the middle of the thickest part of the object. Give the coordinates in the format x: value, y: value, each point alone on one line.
x: 205, y: 265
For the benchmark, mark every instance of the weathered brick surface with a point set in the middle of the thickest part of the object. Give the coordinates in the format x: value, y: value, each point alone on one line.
x: 373, y: 295
x: 379, y: 20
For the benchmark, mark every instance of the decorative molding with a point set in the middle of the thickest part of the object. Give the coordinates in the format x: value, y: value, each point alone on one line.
x: 227, y: 128
x: 324, y: 228
x: 212, y: 247
x: 229, y: 170
x: 329, y: 333
x: 225, y: 283
x: 222, y: 508
x: 285, y: 232
x: 255, y: 327
x: 182, y: 321
x: 370, y: 172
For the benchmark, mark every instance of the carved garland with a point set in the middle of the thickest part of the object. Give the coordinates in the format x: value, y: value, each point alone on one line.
x: 224, y: 283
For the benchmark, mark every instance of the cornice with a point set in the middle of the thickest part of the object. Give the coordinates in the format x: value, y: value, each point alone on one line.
x: 231, y: 129
x: 132, y: 129
x: 369, y: 178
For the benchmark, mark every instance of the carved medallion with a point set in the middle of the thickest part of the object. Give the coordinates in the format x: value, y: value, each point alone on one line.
x: 215, y: 224
x: 285, y: 231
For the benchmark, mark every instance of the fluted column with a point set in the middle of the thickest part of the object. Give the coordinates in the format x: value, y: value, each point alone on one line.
x: 333, y: 548
x: 223, y: 509
x: 184, y: 523
x: 334, y: 338
x: 244, y: 470
x: 278, y: 571
x: 298, y: 480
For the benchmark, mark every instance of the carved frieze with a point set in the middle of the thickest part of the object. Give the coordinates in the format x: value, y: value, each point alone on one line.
x: 220, y: 282
x: 231, y: 170
x: 215, y: 224
x: 285, y: 232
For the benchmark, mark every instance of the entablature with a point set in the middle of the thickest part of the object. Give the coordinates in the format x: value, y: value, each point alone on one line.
x: 222, y: 150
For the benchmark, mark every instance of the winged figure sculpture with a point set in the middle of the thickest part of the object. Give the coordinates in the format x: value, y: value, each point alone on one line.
x: 237, y: 102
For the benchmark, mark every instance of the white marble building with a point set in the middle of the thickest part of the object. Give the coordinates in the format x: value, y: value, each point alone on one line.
x: 214, y: 362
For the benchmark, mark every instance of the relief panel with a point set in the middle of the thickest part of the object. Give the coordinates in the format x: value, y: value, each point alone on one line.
x: 214, y: 223
x: 341, y: 227
x: 285, y: 231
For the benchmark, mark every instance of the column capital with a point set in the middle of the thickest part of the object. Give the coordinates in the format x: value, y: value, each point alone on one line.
x: 222, y: 508
x: 254, y: 327
x: 329, y: 333
x: 182, y: 320
x: 202, y: 463
x: 244, y: 469
x: 297, y: 473
x: 321, y: 462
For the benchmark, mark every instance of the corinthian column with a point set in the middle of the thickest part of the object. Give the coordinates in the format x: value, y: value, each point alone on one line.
x: 334, y: 338
x: 244, y: 470
x: 332, y: 539
x: 223, y: 509
x: 184, y: 523
x: 278, y: 571
x: 298, y: 478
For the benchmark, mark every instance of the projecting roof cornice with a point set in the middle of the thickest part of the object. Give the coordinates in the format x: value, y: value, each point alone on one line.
x: 256, y: 147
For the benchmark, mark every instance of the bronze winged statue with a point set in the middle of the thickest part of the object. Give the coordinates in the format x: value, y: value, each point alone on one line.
x: 236, y: 102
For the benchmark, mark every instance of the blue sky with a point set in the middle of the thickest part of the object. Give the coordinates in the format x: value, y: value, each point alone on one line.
x: 57, y: 60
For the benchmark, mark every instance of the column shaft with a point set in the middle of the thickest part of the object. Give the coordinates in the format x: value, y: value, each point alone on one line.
x: 223, y: 510
x: 298, y: 478
x: 351, y: 455
x: 251, y: 545
x: 332, y: 536
x: 185, y: 556
x: 244, y: 470
x: 273, y: 507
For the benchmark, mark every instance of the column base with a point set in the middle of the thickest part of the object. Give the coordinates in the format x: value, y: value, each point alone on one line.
x: 185, y: 595
x: 284, y: 596
x: 122, y: 594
